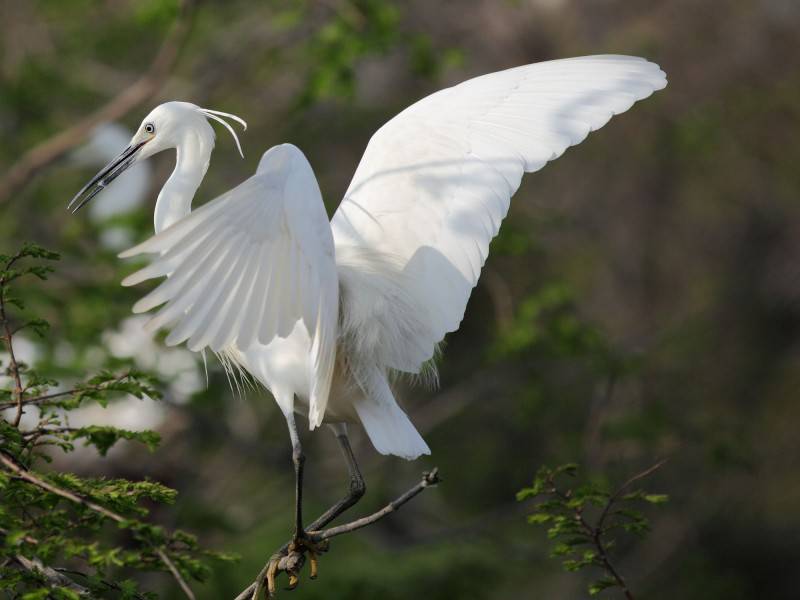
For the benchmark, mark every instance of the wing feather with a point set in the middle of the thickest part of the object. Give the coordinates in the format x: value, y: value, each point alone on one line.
x: 435, y: 183
x: 249, y: 265
x: 184, y: 276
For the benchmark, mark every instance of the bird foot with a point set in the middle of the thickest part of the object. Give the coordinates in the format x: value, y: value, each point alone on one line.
x: 291, y: 561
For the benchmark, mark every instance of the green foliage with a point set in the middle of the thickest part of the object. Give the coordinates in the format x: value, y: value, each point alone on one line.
x: 361, y: 28
x: 548, y: 316
x: 50, y: 519
x: 358, y: 29
x: 584, y: 521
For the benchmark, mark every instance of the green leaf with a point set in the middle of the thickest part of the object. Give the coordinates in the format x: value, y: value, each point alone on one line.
x: 31, y: 250
x: 601, y: 584
x: 38, y: 271
x: 656, y: 498
x: 39, y: 326
x: 570, y: 469
x: 539, y: 518
x: 103, y: 437
x: 561, y: 549
x: 62, y: 593
x: 16, y: 302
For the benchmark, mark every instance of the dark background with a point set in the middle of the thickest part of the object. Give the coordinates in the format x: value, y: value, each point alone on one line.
x: 642, y: 300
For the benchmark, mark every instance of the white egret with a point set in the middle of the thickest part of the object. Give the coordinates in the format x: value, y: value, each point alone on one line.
x: 321, y: 313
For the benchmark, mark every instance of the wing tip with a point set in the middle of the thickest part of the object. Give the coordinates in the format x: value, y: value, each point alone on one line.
x: 131, y: 252
x: 140, y: 307
x: 131, y: 280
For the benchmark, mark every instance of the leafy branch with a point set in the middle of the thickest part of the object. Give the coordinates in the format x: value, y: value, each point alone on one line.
x: 584, y: 520
x: 53, y: 517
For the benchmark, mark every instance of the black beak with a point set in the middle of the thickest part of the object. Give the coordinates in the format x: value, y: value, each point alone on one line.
x: 106, y: 175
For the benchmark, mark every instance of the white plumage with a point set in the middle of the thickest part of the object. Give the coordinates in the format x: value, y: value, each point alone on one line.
x: 320, y: 312
x: 246, y: 267
x: 436, y: 181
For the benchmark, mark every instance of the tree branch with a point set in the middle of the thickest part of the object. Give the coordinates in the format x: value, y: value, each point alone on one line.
x: 294, y: 559
x: 428, y: 479
x: 50, y: 150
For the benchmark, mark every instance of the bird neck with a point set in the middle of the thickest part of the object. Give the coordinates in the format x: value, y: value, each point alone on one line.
x: 175, y: 199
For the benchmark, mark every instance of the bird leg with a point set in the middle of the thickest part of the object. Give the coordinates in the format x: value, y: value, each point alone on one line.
x: 292, y: 556
x: 299, y: 460
x: 357, y: 486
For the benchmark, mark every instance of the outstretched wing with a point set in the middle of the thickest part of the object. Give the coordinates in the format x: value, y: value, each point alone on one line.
x: 435, y: 182
x: 245, y: 267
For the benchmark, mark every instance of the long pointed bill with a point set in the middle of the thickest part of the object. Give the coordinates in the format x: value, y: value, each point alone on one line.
x: 106, y: 175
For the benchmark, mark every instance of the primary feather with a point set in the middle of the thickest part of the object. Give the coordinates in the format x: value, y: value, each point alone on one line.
x: 435, y: 183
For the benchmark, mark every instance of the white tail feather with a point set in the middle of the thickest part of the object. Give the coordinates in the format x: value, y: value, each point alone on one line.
x: 388, y: 427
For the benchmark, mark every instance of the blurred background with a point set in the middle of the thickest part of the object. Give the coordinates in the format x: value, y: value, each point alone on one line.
x: 642, y: 300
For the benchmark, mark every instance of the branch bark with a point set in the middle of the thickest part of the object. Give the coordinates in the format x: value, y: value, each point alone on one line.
x: 50, y: 150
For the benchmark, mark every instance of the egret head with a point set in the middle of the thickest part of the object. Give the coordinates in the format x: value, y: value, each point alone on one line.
x: 169, y: 125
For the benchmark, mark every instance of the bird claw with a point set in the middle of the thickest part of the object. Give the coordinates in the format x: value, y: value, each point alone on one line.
x: 313, y: 564
x: 292, y: 561
x: 293, y: 581
x: 272, y: 571
x: 314, y: 550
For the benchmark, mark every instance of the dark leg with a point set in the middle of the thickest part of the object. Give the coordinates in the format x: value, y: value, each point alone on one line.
x: 290, y: 558
x: 357, y: 487
x: 300, y: 543
x: 298, y: 459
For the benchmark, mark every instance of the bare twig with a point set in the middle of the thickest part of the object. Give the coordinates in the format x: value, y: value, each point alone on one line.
x: 28, y: 476
x: 428, y: 479
x: 47, y: 152
x: 293, y: 559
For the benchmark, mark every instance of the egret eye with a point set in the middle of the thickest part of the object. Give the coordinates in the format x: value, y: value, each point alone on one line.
x: 150, y: 128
